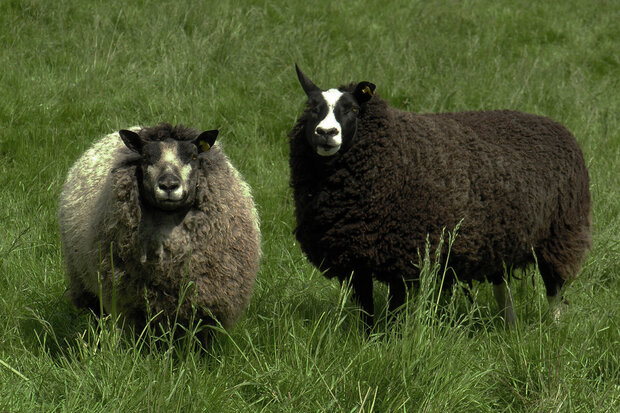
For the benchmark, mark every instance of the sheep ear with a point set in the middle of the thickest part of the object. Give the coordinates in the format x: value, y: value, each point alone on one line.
x: 132, y: 140
x: 305, y: 82
x: 364, y: 91
x: 205, y: 140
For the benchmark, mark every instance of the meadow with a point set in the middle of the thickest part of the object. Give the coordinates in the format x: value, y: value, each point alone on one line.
x: 72, y: 71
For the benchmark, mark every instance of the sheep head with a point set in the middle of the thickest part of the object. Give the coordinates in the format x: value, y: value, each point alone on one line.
x: 332, y: 114
x: 169, y: 166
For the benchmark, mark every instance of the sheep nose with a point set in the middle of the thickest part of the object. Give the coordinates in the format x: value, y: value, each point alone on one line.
x: 168, y: 183
x: 326, y: 133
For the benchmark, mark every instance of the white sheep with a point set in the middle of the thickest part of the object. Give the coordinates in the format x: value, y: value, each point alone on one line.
x: 157, y: 222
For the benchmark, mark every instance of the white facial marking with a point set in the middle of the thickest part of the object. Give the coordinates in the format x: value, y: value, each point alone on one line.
x: 169, y: 154
x: 331, y: 97
x: 186, y: 172
x: 327, y: 152
x: 171, y: 163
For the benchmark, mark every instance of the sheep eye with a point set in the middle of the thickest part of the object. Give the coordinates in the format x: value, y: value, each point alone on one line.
x: 355, y: 110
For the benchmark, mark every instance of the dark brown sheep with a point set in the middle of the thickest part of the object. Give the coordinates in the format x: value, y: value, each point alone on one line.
x: 371, y: 181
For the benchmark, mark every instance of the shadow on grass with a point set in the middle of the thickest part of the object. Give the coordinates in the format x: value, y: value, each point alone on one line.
x: 60, y: 330
x: 53, y: 327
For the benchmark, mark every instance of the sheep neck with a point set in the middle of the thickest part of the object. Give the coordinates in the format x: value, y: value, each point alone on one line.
x: 156, y: 227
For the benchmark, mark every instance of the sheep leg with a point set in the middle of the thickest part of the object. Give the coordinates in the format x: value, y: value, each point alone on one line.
x: 79, y: 296
x: 397, y: 297
x: 554, y: 284
x: 503, y: 296
x: 362, y: 295
x: 556, y: 304
x: 467, y: 291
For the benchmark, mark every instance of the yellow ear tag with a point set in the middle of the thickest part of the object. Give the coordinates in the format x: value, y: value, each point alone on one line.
x: 204, y: 146
x: 367, y: 91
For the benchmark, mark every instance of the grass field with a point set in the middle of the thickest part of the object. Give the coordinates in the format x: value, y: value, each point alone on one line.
x: 72, y: 71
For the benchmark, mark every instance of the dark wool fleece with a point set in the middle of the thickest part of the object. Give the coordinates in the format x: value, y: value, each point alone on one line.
x: 517, y: 181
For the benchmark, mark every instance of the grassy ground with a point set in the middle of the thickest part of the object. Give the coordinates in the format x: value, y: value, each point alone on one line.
x: 74, y: 70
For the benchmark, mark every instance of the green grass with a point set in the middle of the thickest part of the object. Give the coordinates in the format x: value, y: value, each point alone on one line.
x: 75, y: 70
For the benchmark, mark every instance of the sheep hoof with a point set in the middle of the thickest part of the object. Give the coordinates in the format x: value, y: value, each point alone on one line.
x: 556, y: 307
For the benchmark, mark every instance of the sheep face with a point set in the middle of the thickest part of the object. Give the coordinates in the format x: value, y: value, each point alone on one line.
x: 169, y: 168
x: 332, y: 116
